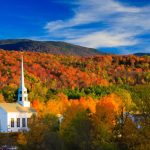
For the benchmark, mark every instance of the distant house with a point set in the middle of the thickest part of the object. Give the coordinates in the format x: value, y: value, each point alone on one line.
x: 14, y: 117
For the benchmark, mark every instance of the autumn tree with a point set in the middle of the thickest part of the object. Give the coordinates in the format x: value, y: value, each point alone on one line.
x: 42, y: 134
x: 104, y: 121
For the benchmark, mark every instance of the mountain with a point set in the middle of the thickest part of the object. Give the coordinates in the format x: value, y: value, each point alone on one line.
x: 142, y: 54
x: 53, y: 47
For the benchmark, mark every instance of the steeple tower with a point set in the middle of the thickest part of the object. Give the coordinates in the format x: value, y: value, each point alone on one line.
x: 22, y: 92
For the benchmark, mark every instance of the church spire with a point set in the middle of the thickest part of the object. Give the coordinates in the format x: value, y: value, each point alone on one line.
x: 22, y: 92
x: 22, y: 74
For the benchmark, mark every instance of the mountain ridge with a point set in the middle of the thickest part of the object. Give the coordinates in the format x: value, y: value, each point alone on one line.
x: 53, y: 47
x: 142, y: 54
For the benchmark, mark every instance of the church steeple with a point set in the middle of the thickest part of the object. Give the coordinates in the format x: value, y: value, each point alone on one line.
x: 22, y: 92
x: 22, y: 74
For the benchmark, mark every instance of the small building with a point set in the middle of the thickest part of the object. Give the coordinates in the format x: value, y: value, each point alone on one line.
x: 14, y: 117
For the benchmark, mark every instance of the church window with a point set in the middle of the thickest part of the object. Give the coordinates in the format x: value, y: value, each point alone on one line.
x: 18, y: 122
x: 28, y: 121
x: 12, y: 122
x: 23, y: 122
x: 20, y: 98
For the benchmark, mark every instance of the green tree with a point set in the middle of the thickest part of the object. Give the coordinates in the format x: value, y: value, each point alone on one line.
x: 10, y: 93
x: 76, y: 133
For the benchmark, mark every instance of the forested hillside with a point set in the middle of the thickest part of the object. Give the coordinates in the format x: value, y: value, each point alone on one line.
x: 60, y: 72
x: 53, y: 47
x: 96, y: 96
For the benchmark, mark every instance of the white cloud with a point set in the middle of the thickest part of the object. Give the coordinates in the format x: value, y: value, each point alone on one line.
x: 123, y: 24
x: 91, y: 11
x: 105, y: 39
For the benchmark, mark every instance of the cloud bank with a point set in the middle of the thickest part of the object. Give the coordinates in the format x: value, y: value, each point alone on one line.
x: 103, y: 23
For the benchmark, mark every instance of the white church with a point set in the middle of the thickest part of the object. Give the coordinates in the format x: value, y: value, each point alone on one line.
x: 14, y: 117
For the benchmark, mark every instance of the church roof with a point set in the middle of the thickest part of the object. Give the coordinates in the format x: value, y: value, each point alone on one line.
x: 15, y: 107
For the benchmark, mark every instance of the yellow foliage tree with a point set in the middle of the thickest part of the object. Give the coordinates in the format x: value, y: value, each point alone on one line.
x: 2, y: 99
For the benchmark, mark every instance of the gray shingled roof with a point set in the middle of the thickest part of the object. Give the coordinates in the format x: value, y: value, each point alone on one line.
x: 15, y: 107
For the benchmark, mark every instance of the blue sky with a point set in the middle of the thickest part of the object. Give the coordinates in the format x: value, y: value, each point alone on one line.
x: 118, y: 26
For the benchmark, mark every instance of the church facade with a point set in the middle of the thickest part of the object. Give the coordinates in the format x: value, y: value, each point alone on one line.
x: 14, y: 117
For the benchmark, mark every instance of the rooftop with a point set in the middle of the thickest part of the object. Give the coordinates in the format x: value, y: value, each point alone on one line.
x: 15, y: 107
